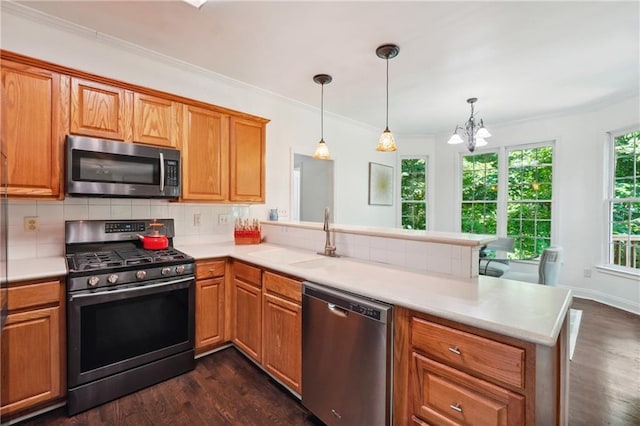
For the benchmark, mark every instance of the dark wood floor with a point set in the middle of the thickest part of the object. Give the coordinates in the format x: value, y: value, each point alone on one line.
x: 227, y: 389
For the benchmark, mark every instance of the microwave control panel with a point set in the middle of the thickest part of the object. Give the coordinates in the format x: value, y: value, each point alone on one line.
x: 172, y: 175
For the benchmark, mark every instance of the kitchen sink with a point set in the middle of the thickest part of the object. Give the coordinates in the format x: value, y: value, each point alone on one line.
x: 318, y: 262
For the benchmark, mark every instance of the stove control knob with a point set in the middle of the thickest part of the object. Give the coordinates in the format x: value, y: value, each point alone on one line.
x: 112, y: 279
x: 93, y: 281
x: 179, y: 269
x: 141, y: 274
x: 165, y: 271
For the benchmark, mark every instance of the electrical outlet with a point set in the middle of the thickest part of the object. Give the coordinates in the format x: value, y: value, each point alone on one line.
x: 283, y: 213
x: 196, y: 219
x: 587, y: 273
x: 31, y: 223
x: 224, y: 219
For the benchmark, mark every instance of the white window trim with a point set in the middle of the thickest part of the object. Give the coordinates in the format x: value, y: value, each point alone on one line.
x: 428, y: 176
x: 607, y: 266
x: 503, y: 182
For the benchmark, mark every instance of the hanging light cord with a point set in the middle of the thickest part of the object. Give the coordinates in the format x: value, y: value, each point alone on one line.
x: 322, y: 112
x: 387, y: 128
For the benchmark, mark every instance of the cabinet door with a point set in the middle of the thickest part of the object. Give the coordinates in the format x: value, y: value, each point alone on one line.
x: 282, y: 340
x: 247, y: 160
x: 155, y: 120
x: 100, y: 110
x: 31, y: 359
x: 204, y: 154
x: 34, y: 116
x: 247, y: 309
x: 209, y: 313
x: 444, y: 395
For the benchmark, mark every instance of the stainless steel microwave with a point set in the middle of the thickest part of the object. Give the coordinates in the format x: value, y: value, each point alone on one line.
x: 106, y: 168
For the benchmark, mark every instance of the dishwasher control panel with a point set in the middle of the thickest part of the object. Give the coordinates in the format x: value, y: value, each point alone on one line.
x: 365, y: 310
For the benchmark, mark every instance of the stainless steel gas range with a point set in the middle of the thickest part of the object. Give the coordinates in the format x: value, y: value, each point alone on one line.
x: 130, y: 311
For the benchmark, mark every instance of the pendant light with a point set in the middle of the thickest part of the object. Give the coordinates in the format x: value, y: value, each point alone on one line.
x: 475, y: 131
x: 386, y: 142
x: 322, y: 150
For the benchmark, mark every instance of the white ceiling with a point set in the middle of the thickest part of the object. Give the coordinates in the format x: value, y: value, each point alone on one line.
x: 521, y: 59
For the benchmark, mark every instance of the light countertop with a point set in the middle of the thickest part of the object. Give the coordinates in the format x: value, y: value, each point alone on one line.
x: 526, y: 311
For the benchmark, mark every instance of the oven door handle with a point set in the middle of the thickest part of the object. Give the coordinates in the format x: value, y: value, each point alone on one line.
x: 128, y: 290
x: 161, y: 172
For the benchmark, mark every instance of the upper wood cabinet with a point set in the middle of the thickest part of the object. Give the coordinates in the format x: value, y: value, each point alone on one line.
x: 100, y: 110
x: 34, y: 124
x: 155, y: 120
x: 247, y: 160
x: 204, y: 155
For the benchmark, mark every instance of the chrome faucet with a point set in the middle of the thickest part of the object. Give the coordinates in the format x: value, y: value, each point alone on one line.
x: 329, y: 249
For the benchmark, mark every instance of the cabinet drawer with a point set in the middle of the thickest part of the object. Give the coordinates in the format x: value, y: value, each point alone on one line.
x: 487, y: 357
x: 248, y: 273
x: 210, y: 269
x: 284, y: 286
x: 31, y: 295
x: 443, y: 395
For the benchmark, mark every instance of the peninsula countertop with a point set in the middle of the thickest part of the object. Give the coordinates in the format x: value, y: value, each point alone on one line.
x: 526, y: 311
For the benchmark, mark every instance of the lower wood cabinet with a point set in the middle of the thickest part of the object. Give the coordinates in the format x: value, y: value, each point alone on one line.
x: 210, y: 302
x: 33, y: 347
x: 247, y: 309
x: 282, y: 329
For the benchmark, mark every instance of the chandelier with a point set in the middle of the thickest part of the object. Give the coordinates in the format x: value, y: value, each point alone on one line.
x: 474, y: 131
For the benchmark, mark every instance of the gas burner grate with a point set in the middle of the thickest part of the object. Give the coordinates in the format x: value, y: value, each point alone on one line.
x: 134, y: 256
x: 95, y: 260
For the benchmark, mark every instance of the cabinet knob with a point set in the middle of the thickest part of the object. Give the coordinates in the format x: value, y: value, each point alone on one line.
x: 456, y: 407
x: 455, y: 351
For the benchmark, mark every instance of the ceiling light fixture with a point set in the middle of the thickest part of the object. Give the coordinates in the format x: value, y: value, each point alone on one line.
x: 322, y: 150
x: 476, y: 133
x: 386, y: 142
x: 195, y: 3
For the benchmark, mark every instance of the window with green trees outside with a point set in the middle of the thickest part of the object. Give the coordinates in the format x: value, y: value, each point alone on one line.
x: 480, y: 193
x: 530, y: 173
x: 624, y: 202
x: 413, y: 192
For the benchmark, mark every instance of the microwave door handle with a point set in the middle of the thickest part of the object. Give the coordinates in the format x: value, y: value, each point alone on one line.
x: 161, y: 172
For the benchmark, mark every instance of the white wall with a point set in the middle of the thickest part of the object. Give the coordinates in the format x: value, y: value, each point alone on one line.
x: 580, y: 209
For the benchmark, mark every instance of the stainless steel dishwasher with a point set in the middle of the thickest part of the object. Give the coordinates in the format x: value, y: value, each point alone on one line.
x: 346, y: 357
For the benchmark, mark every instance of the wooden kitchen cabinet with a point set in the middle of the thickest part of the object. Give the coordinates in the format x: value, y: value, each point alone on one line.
x: 156, y: 121
x: 451, y: 374
x: 210, y: 275
x: 282, y: 329
x: 247, y: 160
x: 247, y: 309
x: 101, y: 110
x: 205, y: 142
x: 34, y: 124
x: 33, y: 347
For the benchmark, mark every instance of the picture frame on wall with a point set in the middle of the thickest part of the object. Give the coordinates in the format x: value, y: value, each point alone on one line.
x: 380, y: 184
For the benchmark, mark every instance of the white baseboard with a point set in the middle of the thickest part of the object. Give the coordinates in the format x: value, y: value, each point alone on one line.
x: 607, y: 299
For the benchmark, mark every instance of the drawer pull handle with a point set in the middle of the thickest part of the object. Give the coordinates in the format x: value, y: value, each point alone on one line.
x: 456, y: 407
x: 455, y: 351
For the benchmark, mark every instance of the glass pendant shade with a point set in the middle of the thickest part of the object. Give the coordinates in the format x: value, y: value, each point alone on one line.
x: 483, y: 133
x: 386, y: 143
x: 481, y: 142
x: 455, y: 139
x: 322, y: 151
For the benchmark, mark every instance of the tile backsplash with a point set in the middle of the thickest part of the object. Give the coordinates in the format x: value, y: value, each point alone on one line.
x: 48, y: 239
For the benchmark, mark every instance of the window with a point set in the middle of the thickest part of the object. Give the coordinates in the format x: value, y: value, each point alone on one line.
x: 480, y: 193
x: 529, y: 200
x: 413, y: 193
x: 509, y: 193
x: 624, y: 201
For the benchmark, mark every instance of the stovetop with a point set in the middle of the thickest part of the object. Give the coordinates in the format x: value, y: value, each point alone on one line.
x: 123, y: 256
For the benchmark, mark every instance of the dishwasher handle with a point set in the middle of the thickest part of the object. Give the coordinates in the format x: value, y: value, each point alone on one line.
x: 337, y: 310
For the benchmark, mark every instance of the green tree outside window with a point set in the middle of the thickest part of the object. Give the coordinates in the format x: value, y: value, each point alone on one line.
x: 479, y: 193
x: 413, y: 193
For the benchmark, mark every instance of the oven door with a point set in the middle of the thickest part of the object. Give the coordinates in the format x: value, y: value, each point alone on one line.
x: 115, y: 330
